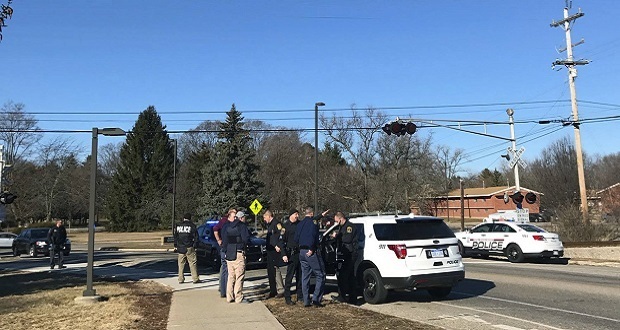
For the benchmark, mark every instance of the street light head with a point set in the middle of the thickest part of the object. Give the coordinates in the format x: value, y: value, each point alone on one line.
x: 510, y: 112
x: 319, y: 104
x: 112, y: 131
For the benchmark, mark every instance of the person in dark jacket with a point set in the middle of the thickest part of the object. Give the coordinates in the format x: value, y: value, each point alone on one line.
x: 307, y: 236
x: 232, y: 213
x: 235, y: 236
x: 275, y: 252
x: 347, y: 242
x: 57, y: 236
x: 185, y: 241
x: 292, y: 258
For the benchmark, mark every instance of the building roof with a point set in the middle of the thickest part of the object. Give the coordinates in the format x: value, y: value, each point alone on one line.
x: 487, y: 191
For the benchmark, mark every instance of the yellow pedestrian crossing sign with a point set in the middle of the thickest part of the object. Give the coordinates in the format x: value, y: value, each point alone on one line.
x: 255, y: 207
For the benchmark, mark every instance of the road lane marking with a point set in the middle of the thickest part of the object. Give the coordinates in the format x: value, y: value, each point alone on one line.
x: 497, y: 314
x: 538, y: 306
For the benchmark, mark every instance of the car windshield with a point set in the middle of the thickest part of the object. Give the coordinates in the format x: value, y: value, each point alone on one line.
x: 39, y: 233
x: 411, y: 230
x: 532, y: 229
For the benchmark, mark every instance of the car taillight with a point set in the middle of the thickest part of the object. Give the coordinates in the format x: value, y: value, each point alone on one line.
x: 400, y: 250
x: 538, y: 237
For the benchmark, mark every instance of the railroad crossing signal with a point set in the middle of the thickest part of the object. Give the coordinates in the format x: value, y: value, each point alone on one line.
x: 516, y: 157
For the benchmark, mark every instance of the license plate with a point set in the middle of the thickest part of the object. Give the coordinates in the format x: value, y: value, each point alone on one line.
x: 437, y: 253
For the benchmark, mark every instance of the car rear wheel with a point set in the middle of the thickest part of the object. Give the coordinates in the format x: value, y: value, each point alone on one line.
x: 374, y: 291
x: 65, y: 253
x: 33, y: 252
x: 514, y: 253
x: 439, y: 292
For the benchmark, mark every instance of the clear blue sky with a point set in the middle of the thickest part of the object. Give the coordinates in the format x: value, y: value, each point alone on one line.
x: 122, y: 56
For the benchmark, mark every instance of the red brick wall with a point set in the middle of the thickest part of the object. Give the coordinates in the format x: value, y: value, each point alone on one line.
x: 479, y: 207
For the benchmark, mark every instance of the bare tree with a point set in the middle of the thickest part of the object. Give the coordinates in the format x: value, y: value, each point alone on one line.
x: 18, y: 130
x: 357, y: 137
x: 54, y: 159
x: 204, y: 136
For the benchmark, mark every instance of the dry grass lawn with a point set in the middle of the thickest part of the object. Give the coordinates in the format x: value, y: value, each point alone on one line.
x: 46, y: 301
x: 337, y: 316
x: 149, y: 240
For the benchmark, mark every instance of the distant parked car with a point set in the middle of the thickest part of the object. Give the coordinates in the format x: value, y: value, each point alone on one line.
x: 537, y: 217
x: 206, y: 252
x: 6, y: 240
x: 33, y: 241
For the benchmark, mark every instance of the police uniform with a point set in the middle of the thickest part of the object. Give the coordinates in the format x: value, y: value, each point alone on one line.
x: 307, y: 236
x: 56, y: 236
x: 185, y: 241
x: 294, y: 267
x: 347, y: 240
x: 274, y: 258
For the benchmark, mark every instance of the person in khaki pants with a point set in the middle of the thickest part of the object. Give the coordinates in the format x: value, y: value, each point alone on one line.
x: 235, y: 236
x: 185, y: 240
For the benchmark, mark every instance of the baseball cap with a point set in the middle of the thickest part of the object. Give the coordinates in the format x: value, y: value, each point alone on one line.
x: 240, y: 214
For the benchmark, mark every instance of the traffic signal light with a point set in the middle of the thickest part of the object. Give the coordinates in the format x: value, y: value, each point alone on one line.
x: 399, y: 128
x: 517, y: 198
x: 7, y: 198
x: 530, y: 198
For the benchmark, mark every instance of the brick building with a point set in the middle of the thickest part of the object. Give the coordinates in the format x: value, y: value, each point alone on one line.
x: 480, y: 202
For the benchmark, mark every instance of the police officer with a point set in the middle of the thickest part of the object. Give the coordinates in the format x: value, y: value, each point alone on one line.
x: 307, y: 236
x: 275, y: 251
x: 185, y: 241
x: 347, y: 242
x: 235, y: 236
x: 56, y: 236
x: 291, y: 256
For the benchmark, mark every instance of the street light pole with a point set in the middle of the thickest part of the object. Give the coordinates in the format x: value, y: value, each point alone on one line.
x: 316, y: 155
x: 174, y: 184
x: 90, y: 291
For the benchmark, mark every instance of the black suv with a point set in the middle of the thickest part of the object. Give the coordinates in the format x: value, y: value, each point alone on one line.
x: 33, y: 241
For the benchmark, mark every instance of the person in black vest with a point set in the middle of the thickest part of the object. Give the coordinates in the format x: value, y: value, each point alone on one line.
x: 185, y: 241
x: 56, y: 236
x: 292, y: 258
x: 347, y: 242
x: 275, y: 252
x: 235, y: 237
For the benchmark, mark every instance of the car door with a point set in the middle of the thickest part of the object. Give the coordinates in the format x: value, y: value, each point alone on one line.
x: 499, y: 235
x: 479, y: 237
x: 22, y: 241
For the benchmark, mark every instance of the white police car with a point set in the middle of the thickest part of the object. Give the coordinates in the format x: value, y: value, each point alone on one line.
x: 401, y: 252
x: 515, y: 240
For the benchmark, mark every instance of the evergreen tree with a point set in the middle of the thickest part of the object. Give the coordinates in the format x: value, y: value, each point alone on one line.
x: 139, y: 196
x: 230, y: 177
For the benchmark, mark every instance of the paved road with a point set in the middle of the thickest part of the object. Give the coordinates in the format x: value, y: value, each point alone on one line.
x: 495, y: 295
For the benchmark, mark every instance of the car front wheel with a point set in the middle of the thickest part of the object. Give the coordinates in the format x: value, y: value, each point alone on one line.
x: 374, y: 291
x: 462, y: 250
x: 15, y: 252
x: 33, y: 252
x: 514, y: 253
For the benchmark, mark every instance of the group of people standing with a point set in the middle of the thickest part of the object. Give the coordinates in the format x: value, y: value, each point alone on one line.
x: 293, y: 244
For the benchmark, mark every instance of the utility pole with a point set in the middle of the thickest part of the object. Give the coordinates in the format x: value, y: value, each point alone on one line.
x: 572, y: 64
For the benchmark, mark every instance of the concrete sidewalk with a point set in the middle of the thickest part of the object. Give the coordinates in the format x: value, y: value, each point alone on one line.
x: 199, y: 306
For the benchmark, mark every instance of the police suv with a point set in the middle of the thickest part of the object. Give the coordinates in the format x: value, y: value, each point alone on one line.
x: 515, y: 240
x: 400, y: 252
